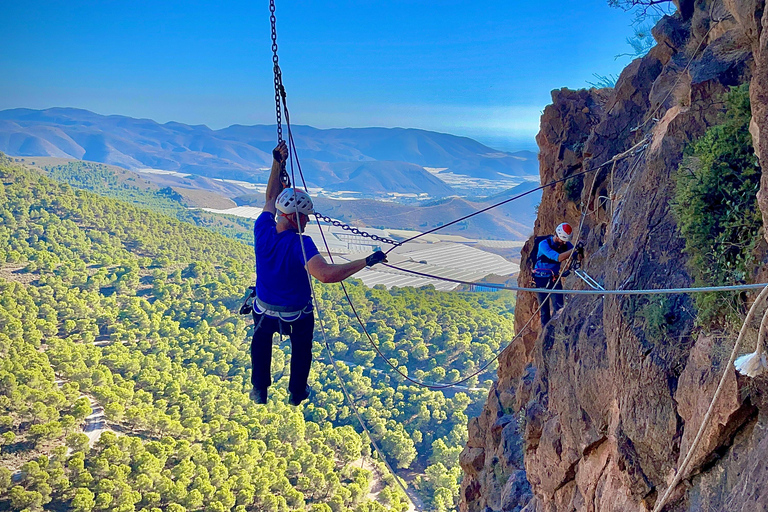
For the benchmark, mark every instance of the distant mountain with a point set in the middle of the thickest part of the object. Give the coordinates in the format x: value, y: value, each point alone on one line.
x: 512, y: 221
x: 524, y: 208
x: 368, y: 160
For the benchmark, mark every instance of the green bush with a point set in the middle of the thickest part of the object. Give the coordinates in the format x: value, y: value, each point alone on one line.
x: 572, y: 188
x: 660, y: 316
x: 716, y: 208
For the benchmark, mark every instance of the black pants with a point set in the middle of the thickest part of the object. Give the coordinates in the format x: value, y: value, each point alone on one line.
x: 556, y: 298
x: 300, y: 332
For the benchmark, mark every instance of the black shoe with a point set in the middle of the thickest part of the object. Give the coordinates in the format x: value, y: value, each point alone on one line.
x: 259, y: 396
x: 296, y: 400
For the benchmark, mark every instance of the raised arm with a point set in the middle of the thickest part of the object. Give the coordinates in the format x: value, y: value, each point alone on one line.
x: 274, y: 185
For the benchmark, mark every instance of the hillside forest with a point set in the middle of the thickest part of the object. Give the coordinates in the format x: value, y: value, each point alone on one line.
x: 121, y: 320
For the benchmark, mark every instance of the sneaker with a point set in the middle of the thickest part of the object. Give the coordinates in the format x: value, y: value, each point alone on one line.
x: 259, y: 396
x: 296, y: 400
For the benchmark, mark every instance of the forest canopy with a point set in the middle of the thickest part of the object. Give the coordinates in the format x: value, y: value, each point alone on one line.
x: 120, y: 321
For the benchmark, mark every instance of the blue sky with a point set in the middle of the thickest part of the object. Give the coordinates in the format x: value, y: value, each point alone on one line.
x: 481, y: 69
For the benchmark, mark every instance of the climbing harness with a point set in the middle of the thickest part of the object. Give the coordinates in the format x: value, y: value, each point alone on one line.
x: 253, y: 305
x: 286, y: 314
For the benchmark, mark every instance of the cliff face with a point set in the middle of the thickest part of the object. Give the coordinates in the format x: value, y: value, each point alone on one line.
x: 596, y: 412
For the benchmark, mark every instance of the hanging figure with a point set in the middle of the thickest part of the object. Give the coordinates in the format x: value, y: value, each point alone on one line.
x: 551, y: 251
x: 283, y: 300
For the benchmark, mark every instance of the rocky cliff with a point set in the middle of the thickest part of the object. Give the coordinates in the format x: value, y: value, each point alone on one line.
x: 597, y: 411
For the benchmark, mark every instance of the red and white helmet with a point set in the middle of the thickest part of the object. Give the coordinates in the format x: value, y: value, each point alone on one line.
x: 564, y: 232
x: 291, y: 200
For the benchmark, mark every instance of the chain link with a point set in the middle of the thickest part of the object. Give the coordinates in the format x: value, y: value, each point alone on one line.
x: 356, y: 231
x: 278, y: 73
x: 279, y: 89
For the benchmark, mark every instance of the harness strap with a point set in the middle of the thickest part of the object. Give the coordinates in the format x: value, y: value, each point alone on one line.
x: 278, y: 309
x: 258, y: 325
x: 543, y: 257
x: 286, y: 314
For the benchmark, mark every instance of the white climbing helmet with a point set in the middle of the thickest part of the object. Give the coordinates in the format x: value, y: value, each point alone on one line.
x: 564, y: 232
x: 292, y: 199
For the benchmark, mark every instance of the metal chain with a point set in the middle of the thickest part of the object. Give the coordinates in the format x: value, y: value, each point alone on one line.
x: 279, y: 89
x: 356, y: 231
x: 278, y: 73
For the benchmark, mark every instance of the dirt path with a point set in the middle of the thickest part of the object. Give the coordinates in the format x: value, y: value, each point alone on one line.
x: 378, y: 484
x: 416, y: 503
x: 11, y: 272
x: 95, y: 423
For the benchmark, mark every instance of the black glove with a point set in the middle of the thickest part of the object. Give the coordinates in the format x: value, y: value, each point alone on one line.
x: 580, y: 250
x: 376, y: 257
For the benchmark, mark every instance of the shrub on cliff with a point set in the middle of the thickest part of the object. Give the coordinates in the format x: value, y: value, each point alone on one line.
x: 716, y: 207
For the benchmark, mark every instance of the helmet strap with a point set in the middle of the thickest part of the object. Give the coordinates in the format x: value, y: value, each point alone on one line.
x: 290, y: 219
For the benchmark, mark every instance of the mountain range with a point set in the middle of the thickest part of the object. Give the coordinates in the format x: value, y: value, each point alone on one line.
x: 365, y: 160
x: 513, y: 221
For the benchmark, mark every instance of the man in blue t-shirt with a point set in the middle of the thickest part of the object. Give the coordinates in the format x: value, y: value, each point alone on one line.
x: 550, y: 253
x: 283, y: 301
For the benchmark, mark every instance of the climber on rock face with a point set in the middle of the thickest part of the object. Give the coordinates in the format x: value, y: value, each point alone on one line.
x: 283, y: 300
x: 551, y: 251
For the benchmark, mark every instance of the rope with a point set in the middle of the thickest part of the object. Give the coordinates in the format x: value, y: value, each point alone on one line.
x: 705, y: 422
x: 658, y: 291
x: 334, y: 363
x: 294, y: 155
x: 423, y: 384
x: 550, y: 184
x: 482, y: 368
x: 428, y: 385
x: 598, y: 202
x: 755, y: 364
x: 280, y: 92
x: 613, y: 191
x: 760, y: 347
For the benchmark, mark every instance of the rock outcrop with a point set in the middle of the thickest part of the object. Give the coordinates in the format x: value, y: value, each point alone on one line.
x: 597, y: 411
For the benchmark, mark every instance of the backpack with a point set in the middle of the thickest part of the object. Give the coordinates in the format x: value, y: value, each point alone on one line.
x: 533, y: 256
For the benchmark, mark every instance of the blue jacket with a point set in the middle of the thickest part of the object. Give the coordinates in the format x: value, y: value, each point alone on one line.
x: 546, y: 260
